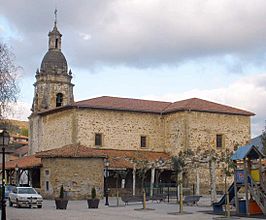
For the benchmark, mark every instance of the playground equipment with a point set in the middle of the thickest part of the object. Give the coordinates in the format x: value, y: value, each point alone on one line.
x: 249, y: 174
x: 218, y: 206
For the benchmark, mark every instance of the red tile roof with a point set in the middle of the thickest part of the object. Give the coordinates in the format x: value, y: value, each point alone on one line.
x: 117, y: 158
x: 125, y: 104
x: 70, y: 151
x: 19, y: 136
x: 195, y: 104
x: 24, y: 162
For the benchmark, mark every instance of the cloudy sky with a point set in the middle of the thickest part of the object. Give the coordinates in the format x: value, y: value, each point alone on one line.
x: 153, y: 49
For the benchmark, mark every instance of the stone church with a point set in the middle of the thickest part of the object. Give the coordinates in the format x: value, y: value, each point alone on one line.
x: 69, y: 140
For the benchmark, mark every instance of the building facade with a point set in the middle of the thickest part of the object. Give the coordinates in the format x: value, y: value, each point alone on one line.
x: 122, y: 123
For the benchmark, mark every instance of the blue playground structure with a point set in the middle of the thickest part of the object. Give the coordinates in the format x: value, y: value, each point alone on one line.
x: 250, y: 178
x: 218, y: 206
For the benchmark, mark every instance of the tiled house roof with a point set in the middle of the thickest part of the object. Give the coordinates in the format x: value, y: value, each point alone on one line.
x: 24, y: 162
x: 155, y: 107
x: 125, y: 104
x: 117, y: 158
x: 68, y: 151
x: 201, y: 105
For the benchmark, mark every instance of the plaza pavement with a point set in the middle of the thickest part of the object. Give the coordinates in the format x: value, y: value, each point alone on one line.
x: 79, y: 210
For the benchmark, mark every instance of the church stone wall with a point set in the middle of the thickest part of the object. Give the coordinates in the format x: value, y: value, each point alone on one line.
x: 175, y: 132
x: 120, y: 130
x: 35, y: 134
x: 51, y: 131
x: 77, y: 175
x: 203, y: 128
x: 199, y: 129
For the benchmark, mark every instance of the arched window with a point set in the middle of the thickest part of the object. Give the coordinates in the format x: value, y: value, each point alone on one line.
x: 56, y: 43
x: 59, y: 99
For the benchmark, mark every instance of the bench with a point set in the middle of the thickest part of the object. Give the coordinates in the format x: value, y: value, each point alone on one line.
x: 129, y: 198
x: 191, y: 200
x: 158, y: 197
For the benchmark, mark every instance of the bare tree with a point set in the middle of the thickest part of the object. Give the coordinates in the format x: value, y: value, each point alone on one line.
x: 142, y: 167
x: 263, y: 140
x: 179, y: 164
x: 228, y: 170
x: 8, y: 78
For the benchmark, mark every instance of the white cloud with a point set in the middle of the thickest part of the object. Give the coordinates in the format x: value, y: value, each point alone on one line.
x: 143, y: 33
x: 85, y: 36
x: 248, y: 93
x: 150, y: 33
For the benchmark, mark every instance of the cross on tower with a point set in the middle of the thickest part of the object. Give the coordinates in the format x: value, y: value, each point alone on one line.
x: 55, y: 16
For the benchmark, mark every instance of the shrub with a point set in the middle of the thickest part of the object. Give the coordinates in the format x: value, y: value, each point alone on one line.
x: 61, y: 195
x: 93, y: 193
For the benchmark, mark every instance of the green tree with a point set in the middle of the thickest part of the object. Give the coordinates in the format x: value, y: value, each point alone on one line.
x: 24, y: 132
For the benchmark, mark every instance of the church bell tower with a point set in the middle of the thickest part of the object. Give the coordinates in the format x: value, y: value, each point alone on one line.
x: 53, y: 87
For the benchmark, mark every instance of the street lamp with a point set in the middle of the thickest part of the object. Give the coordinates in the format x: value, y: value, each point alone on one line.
x: 4, y: 140
x: 17, y: 175
x: 161, y: 161
x: 106, y: 174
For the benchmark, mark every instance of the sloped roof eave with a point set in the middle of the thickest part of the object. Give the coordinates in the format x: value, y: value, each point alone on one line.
x: 244, y: 151
x: 24, y: 163
x: 152, y: 107
x: 118, y: 158
x: 208, y: 111
x: 70, y: 156
x: 119, y: 109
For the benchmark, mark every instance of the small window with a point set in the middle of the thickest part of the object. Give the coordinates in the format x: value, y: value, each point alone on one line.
x: 59, y: 99
x: 143, y: 141
x: 56, y: 43
x: 47, y: 172
x: 98, y: 139
x: 47, y: 185
x: 219, y: 141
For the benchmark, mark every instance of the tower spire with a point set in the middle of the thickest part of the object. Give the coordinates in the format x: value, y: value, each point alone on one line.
x: 55, y: 35
x: 55, y: 17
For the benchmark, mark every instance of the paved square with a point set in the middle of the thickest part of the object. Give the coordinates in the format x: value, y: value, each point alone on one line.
x: 79, y: 210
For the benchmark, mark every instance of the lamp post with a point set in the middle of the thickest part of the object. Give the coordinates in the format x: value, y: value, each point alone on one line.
x: 4, y: 140
x: 106, y: 174
x: 161, y: 161
x: 17, y: 175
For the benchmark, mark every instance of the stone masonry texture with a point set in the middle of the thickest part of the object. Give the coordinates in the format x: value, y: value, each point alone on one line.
x: 77, y: 175
x: 122, y: 130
